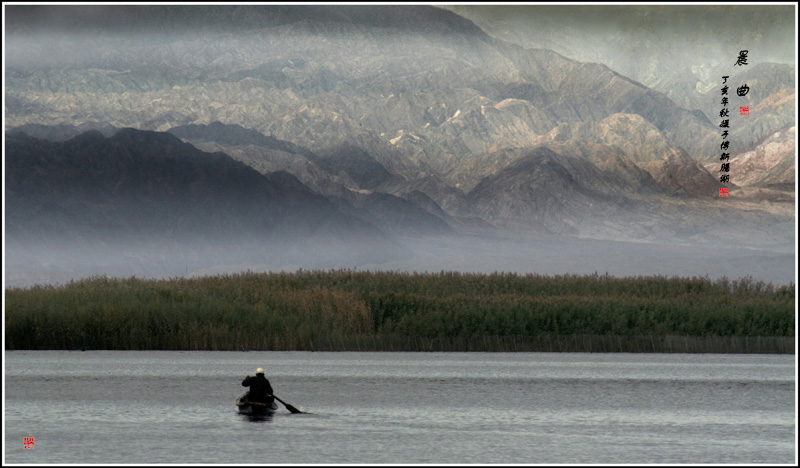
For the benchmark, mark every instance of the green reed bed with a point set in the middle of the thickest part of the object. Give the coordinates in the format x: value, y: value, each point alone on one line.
x: 347, y: 310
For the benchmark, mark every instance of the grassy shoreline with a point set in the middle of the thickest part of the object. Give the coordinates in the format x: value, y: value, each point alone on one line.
x: 373, y: 311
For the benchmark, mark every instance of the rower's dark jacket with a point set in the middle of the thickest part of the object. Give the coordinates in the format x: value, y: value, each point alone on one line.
x: 260, y: 389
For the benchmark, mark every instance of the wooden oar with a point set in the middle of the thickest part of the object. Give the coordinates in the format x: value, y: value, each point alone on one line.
x: 291, y: 408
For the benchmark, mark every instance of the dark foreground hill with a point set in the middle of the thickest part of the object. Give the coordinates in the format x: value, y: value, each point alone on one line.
x: 150, y: 194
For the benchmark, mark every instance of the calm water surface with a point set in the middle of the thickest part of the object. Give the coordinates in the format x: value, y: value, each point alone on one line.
x: 178, y: 407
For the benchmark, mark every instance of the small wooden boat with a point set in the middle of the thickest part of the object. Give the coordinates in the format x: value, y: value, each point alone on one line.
x: 254, y: 407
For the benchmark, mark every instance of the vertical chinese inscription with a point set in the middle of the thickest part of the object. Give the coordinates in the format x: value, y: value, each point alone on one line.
x: 724, y: 125
x: 724, y: 114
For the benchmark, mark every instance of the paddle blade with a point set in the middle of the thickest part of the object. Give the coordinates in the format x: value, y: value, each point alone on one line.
x: 292, y: 409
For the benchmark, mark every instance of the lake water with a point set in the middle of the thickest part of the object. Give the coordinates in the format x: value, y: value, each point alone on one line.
x: 178, y: 407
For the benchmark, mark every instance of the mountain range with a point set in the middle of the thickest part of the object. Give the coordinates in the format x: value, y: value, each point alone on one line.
x: 357, y: 131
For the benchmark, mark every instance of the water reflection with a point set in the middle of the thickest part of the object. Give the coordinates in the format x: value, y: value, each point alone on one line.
x: 258, y: 418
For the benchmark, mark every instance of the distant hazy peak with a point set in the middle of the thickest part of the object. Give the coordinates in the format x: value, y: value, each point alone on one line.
x: 181, y: 18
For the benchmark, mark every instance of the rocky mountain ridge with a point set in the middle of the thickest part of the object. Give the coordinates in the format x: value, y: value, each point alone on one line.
x: 443, y: 93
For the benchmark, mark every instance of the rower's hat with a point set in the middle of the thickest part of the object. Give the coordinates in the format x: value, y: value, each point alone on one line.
x: 259, y: 371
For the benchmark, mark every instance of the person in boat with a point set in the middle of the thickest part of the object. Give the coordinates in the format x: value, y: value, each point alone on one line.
x: 260, y: 389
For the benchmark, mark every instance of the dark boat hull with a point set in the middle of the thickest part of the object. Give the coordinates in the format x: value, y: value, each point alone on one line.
x: 252, y: 407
